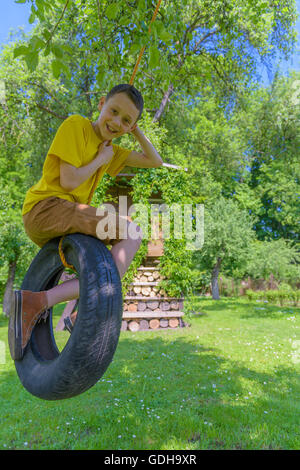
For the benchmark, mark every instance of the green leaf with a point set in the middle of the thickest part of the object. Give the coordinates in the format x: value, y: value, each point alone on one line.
x: 36, y: 43
x: 57, y: 67
x: 32, y: 60
x: 112, y: 11
x: 154, y: 57
x: 21, y: 50
x: 46, y: 34
x: 57, y: 51
x: 165, y: 36
x: 125, y: 21
x: 135, y: 48
x: 20, y: 1
x: 100, y: 77
x: 31, y: 18
x: 47, y: 50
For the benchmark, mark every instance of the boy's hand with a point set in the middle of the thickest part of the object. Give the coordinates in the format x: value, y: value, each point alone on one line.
x: 134, y: 130
x: 105, y: 152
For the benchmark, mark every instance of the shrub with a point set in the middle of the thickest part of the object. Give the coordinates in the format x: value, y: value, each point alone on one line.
x: 285, y: 294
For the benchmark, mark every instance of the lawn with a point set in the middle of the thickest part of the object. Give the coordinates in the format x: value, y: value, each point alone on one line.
x: 229, y: 381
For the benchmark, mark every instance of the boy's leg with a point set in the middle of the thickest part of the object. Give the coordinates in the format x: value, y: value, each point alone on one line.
x: 122, y: 252
x: 44, y: 222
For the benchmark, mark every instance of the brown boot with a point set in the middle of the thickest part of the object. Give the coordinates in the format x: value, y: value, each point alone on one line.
x: 26, y: 308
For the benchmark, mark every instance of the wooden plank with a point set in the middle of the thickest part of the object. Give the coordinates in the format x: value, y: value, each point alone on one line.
x: 140, y: 297
x: 150, y: 314
x: 144, y: 283
x: 143, y: 268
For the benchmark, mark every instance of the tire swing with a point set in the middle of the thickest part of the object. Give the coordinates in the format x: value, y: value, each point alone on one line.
x: 46, y: 372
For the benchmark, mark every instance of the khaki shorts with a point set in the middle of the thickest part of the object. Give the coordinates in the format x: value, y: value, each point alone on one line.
x: 54, y: 217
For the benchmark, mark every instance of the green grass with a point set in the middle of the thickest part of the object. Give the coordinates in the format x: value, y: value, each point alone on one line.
x: 229, y: 381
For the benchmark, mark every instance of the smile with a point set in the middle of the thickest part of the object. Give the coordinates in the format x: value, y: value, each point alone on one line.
x: 110, y: 129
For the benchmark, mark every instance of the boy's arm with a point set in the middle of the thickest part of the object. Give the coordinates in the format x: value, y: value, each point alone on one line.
x: 149, y: 158
x: 72, y: 177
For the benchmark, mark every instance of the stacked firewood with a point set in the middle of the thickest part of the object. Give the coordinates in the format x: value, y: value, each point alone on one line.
x: 147, y: 306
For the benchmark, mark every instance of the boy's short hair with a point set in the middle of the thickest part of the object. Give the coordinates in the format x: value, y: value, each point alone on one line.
x: 131, y: 92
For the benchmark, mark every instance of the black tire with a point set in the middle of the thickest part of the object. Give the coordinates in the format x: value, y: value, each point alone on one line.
x: 44, y: 371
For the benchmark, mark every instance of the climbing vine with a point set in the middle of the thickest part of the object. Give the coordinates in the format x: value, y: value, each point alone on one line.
x: 175, y: 188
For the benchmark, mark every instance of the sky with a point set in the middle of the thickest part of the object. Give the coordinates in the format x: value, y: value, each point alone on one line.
x: 14, y: 15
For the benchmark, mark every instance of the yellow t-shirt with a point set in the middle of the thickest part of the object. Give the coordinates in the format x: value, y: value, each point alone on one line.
x: 76, y: 143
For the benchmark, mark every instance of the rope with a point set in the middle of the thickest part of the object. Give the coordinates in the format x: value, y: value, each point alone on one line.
x: 143, y: 48
x: 60, y: 250
x: 62, y: 256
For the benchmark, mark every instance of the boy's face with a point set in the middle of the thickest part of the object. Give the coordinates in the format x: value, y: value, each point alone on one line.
x: 118, y: 116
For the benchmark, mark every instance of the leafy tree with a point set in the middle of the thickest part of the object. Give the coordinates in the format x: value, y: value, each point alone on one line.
x: 192, y: 43
x: 228, y: 235
x: 276, y: 257
x: 270, y: 127
x: 199, y: 57
x: 15, y: 148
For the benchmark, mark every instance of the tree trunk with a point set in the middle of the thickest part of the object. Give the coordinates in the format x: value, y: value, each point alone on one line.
x: 214, y: 280
x: 9, y: 287
x: 163, y: 103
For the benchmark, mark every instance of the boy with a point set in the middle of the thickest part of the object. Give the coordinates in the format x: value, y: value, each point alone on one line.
x: 79, y: 155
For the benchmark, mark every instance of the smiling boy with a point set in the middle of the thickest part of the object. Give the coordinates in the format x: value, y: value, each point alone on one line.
x: 79, y: 156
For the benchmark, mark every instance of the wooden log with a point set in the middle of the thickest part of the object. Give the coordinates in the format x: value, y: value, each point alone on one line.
x: 124, y: 325
x: 153, y: 304
x: 144, y: 325
x: 146, y: 291
x: 173, y: 322
x: 132, y: 308
x: 154, y: 323
x: 152, y: 294
x: 141, y: 306
x: 137, y: 290
x: 155, y: 274
x: 163, y: 322
x: 164, y: 305
x: 174, y: 305
x: 133, y: 326
x: 125, y: 307
x: 150, y: 278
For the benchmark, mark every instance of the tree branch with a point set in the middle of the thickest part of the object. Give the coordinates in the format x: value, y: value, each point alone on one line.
x: 102, y: 33
x: 55, y: 27
x: 203, y: 39
x: 39, y: 85
x: 164, y: 102
x: 44, y: 108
